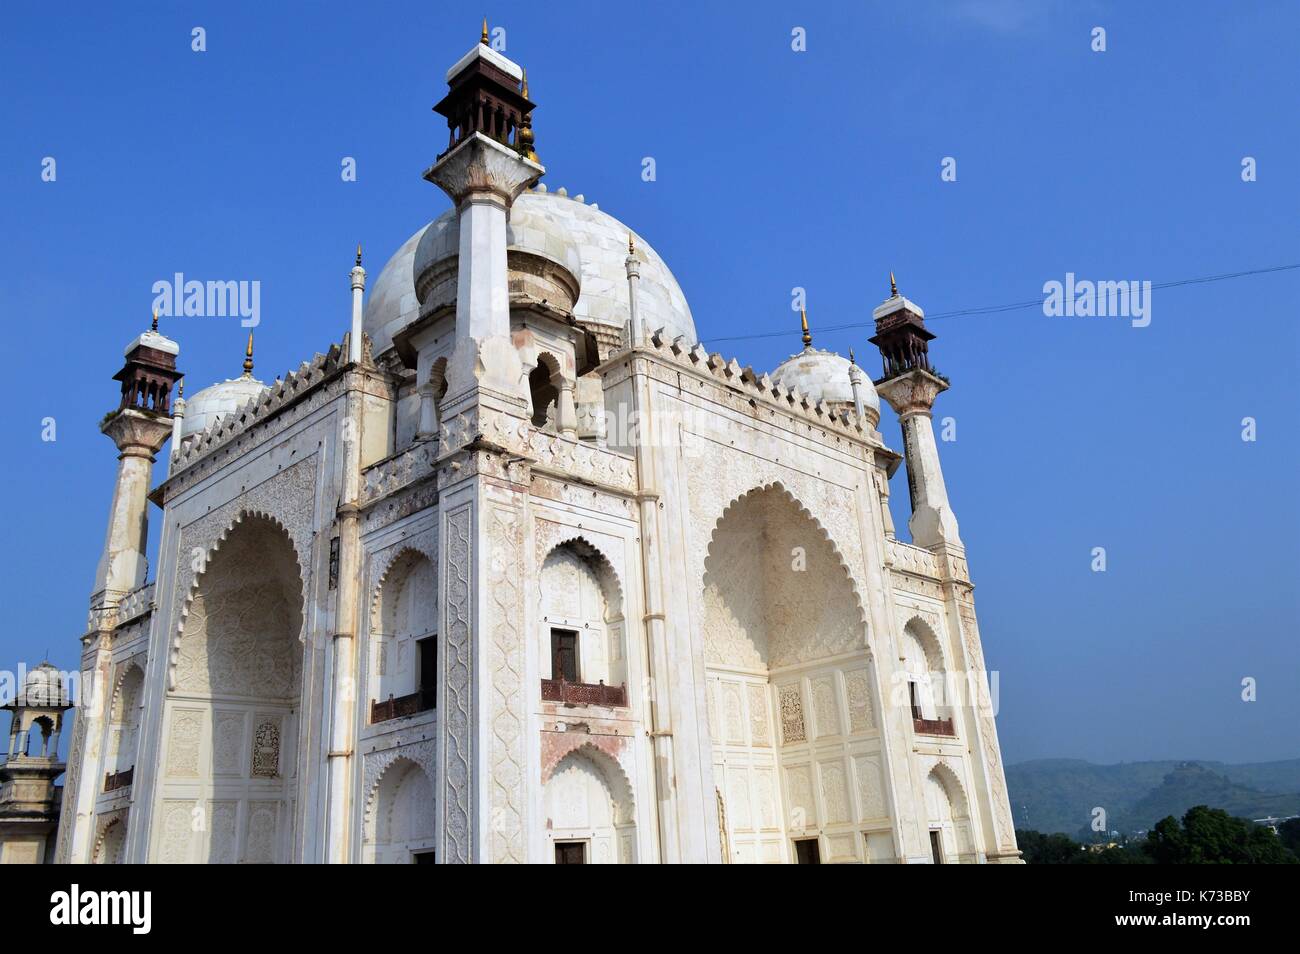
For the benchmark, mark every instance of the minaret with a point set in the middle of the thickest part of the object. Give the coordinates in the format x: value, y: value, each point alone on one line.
x: 910, y: 386
x: 358, y: 290
x: 139, y: 427
x: 633, y: 267
x: 488, y: 163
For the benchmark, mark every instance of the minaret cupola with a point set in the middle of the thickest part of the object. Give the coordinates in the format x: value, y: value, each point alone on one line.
x: 150, y: 371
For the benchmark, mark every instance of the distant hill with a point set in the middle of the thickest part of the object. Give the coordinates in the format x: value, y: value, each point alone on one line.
x: 1058, y: 795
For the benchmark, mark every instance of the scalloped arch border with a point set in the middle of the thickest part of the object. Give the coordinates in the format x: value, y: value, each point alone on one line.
x: 174, y: 647
x: 929, y: 640
x: 606, y: 763
x: 952, y: 782
x: 368, y: 810
x: 386, y: 565
x: 106, y: 823
x: 845, y: 570
x: 606, y: 571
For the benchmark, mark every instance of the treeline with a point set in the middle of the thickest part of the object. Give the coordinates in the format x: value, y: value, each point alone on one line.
x: 1205, y: 836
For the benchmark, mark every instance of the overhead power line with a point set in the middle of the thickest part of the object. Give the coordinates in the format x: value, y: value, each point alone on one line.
x: 1012, y: 306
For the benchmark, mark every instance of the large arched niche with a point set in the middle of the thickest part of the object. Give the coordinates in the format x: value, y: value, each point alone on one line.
x: 793, y: 707
x: 587, y: 801
x: 579, y: 592
x: 776, y: 591
x: 403, y: 615
x: 399, y: 824
x: 230, y: 720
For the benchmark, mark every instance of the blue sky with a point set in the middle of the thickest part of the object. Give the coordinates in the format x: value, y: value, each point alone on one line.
x: 775, y: 169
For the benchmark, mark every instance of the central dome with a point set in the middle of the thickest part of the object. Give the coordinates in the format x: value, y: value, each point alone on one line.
x: 587, y: 243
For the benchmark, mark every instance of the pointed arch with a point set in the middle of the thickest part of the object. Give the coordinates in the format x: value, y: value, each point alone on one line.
x: 611, y: 583
x: 110, y: 842
x: 609, y: 768
x: 125, y: 712
x: 403, y: 615
x: 399, y: 813
x: 244, y: 515
x: 583, y: 620
x: 919, y: 627
x: 779, y: 487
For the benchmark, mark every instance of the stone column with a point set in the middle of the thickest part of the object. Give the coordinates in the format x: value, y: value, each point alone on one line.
x: 566, y: 412
x: 429, y: 423
x: 912, y: 395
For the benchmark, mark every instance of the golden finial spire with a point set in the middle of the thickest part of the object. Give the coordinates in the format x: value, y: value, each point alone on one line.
x: 893, y: 285
x: 803, y: 320
x: 524, y: 91
x: 154, y: 326
x: 358, y: 253
x: 631, y: 246
x: 180, y: 388
x: 483, y: 38
x: 248, y: 357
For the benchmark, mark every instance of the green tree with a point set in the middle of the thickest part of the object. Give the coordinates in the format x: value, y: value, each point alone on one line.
x: 1209, y: 836
x: 1039, y: 849
x: 1289, y: 833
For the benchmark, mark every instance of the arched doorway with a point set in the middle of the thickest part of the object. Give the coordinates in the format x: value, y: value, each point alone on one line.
x: 792, y: 699
x: 588, y: 811
x: 948, y: 818
x: 229, y: 761
x: 399, y: 825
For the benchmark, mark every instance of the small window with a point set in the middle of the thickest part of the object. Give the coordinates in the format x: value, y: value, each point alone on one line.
x: 564, y: 655
x: 807, y: 852
x: 936, y: 846
x: 570, y: 853
x: 916, y: 706
x: 423, y: 858
x: 428, y: 653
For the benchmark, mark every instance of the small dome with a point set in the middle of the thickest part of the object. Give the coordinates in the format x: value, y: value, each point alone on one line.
x: 824, y: 376
x: 44, y: 686
x: 586, y: 242
x: 216, y: 401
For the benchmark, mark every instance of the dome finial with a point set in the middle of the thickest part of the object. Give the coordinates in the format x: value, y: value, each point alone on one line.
x: 483, y: 37
x: 154, y: 326
x: 893, y: 285
x: 807, y: 336
x: 524, y: 89
x: 248, y: 357
x: 631, y: 246
x: 180, y: 389
x: 852, y: 360
x: 358, y: 253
